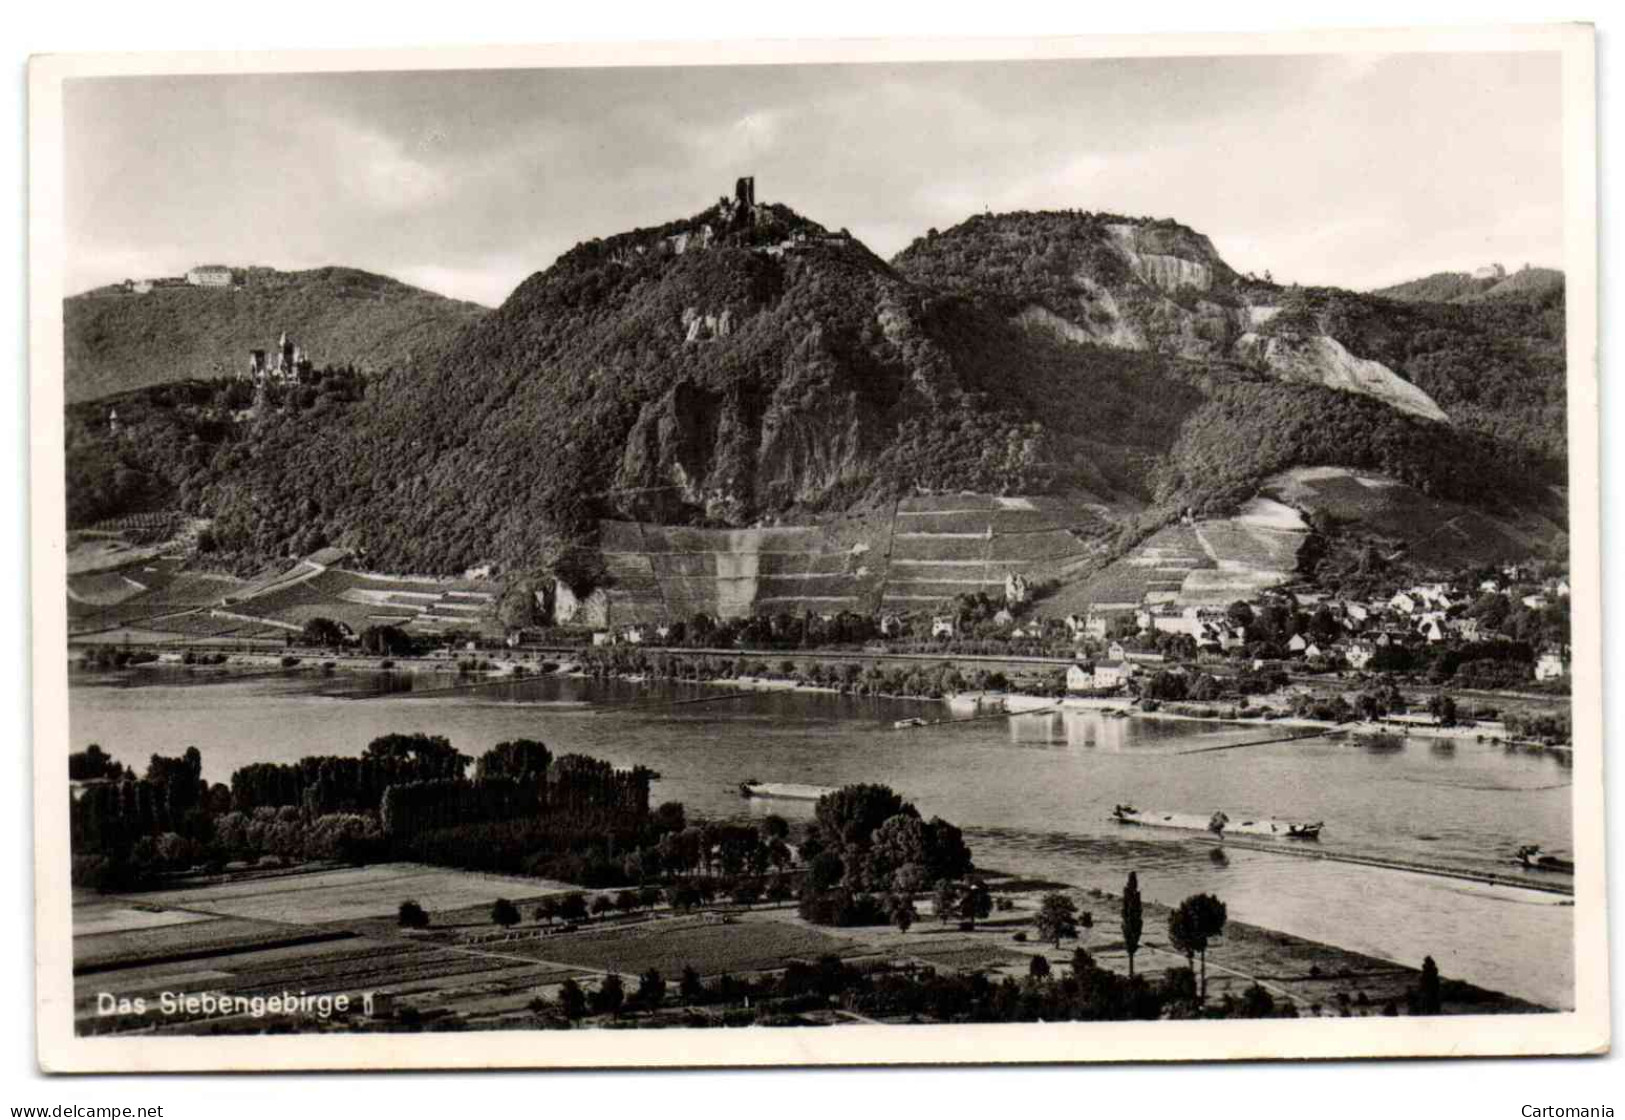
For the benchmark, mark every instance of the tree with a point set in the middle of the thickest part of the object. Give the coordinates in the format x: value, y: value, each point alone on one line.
x: 649, y: 897
x: 626, y: 901
x: 518, y: 608
x: 651, y: 990
x: 1429, y: 1000
x: 1256, y: 1003
x: 1239, y: 613
x: 689, y: 986
x: 1198, y: 920
x: 573, y: 906
x: 572, y: 1000
x: 547, y: 909
x: 824, y: 871
x: 975, y: 902
x: 900, y: 910
x: 504, y: 913
x: 1443, y: 709
x: 1133, y: 919
x: 669, y: 817
x: 1038, y: 968
x: 413, y: 916
x: 610, y: 996
x: 322, y: 632
x: 850, y: 815
x: 602, y: 904
x: 1057, y: 918
x: 92, y: 763
x: 946, y: 900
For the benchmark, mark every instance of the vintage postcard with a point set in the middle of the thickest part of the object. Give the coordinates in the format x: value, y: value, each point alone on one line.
x: 1058, y: 551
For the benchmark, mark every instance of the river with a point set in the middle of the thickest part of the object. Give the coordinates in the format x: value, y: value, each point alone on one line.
x: 1033, y: 793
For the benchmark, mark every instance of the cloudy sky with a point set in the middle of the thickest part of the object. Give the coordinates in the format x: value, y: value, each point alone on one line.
x: 1350, y: 170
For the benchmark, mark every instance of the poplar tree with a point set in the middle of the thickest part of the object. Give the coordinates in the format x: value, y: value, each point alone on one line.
x: 1133, y: 919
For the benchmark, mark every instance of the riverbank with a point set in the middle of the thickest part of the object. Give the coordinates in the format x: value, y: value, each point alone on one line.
x: 510, y: 668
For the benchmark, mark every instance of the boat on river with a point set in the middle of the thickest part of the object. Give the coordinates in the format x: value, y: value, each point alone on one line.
x: 1530, y: 856
x: 784, y: 791
x: 905, y: 724
x: 1219, y: 824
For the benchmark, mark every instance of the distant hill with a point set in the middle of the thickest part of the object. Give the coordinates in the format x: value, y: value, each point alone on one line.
x: 1466, y: 287
x: 746, y: 367
x: 117, y: 340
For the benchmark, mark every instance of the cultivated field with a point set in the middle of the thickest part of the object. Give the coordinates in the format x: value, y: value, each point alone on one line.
x: 753, y: 942
x: 352, y: 893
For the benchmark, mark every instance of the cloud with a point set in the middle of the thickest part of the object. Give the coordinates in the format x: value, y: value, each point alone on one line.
x: 379, y: 170
x: 1329, y: 169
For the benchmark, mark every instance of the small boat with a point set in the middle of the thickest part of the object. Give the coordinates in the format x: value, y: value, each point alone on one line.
x: 904, y: 724
x: 1125, y: 814
x: 1116, y: 713
x: 1305, y: 831
x: 1217, y: 822
x: 1529, y: 855
x: 786, y: 791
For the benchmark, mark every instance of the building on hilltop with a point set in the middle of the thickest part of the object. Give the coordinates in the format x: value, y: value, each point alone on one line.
x: 209, y: 276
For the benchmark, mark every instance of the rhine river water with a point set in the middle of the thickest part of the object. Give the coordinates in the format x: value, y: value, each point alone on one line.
x: 1033, y: 793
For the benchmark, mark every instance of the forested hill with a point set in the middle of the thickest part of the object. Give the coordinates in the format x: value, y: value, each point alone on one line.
x: 748, y: 365
x: 116, y: 340
x: 1465, y: 287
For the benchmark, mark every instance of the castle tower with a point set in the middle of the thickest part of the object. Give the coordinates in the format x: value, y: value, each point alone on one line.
x: 745, y: 191
x: 256, y: 364
x: 286, y: 350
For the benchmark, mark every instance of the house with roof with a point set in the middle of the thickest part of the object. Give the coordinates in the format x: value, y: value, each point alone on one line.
x: 1359, y: 654
x: 1111, y: 673
x: 1403, y: 602
x: 1297, y: 644
x: 1079, y: 678
x: 1465, y: 629
x: 891, y: 625
x: 942, y: 626
x: 1552, y: 664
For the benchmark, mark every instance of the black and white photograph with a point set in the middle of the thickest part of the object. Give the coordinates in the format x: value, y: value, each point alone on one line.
x: 1086, y: 552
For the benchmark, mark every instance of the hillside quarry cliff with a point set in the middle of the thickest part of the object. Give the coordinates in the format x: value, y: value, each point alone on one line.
x: 1144, y: 284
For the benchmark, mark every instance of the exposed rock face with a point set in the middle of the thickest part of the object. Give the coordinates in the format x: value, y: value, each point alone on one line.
x: 1321, y: 360
x: 698, y: 327
x: 1167, y: 262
